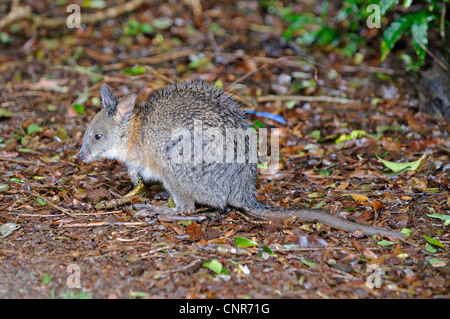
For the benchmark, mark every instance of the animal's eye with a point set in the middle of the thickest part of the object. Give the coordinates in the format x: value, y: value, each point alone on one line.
x: 98, y: 136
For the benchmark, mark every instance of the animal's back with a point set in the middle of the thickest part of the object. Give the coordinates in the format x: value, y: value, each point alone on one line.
x: 189, y: 126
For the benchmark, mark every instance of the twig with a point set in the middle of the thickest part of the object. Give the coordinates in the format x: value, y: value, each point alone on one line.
x: 62, y: 210
x: 166, y: 56
x: 213, y: 42
x: 242, y: 78
x: 25, y: 12
x: 190, y: 268
x: 158, y: 74
x: 439, y: 62
x: 286, y: 60
x: 370, y: 69
x: 171, y: 218
x: 101, y: 224
x: 304, y: 98
x: 116, y: 202
x: 73, y: 214
x: 104, y: 77
x: 17, y: 13
x: 21, y: 161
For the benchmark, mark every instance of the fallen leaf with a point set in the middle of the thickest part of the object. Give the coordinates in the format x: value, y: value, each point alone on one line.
x: 194, y: 231
x: 244, y: 242
x: 8, y: 228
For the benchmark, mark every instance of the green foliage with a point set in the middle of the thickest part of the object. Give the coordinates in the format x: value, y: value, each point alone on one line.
x: 398, y: 168
x: 93, y: 4
x: 415, y: 26
x: 345, y: 29
x: 244, y: 242
x: 341, y: 31
x: 133, y: 28
x: 33, y: 128
x: 214, y: 265
x: 135, y: 70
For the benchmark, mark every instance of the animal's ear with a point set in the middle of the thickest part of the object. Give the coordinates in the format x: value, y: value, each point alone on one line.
x: 124, y: 107
x: 108, y: 100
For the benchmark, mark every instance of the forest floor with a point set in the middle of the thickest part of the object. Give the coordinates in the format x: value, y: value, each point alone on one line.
x: 63, y: 229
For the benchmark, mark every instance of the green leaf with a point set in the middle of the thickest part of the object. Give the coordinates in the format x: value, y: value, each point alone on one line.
x: 431, y: 190
x: 45, y: 279
x: 4, y: 187
x: 213, y: 265
x: 99, y: 205
x: 445, y: 218
x: 318, y: 205
x: 398, y: 168
x: 79, y: 109
x: 315, y: 134
x: 326, y: 172
x: 266, y: 249
x: 262, y: 165
x: 386, y: 243
x: 419, y: 30
x: 76, y: 295
x: 258, y: 123
x: 244, y: 242
x: 317, y: 195
x: 93, y: 4
x: 146, y: 28
x: 393, y: 33
x: 33, y: 128
x: 138, y: 294
x: 437, y: 262
x: 160, y: 23
x: 135, y: 70
x: 355, y: 134
x: 24, y: 150
x: 18, y: 180
x: 407, y: 3
x: 184, y: 222
x: 51, y: 108
x: 171, y: 202
x: 332, y: 185
x: 62, y: 134
x: 309, y: 263
x: 41, y: 201
x: 5, y: 113
x: 434, y: 241
x: 385, y: 5
x: 429, y: 248
x: 406, y: 231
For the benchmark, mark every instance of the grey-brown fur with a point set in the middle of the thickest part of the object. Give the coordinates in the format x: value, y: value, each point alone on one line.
x: 143, y: 138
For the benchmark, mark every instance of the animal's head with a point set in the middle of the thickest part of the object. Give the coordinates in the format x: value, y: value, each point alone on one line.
x: 107, y: 132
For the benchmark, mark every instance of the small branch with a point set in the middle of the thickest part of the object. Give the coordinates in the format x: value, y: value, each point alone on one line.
x: 173, y: 55
x: 116, y: 202
x: 370, y: 69
x: 25, y: 12
x: 17, y: 13
x: 49, y: 202
x: 188, y: 268
x: 14, y: 160
x: 102, y: 224
x: 304, y: 98
x: 439, y: 62
x: 172, y: 218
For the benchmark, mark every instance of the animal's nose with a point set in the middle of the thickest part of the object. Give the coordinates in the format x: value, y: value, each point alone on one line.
x: 80, y: 156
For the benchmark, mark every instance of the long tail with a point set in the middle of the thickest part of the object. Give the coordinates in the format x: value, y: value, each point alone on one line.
x: 308, y: 215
